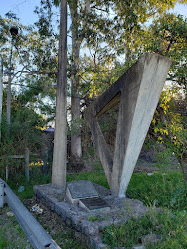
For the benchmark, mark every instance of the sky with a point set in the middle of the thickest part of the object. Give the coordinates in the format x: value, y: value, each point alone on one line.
x: 24, y: 9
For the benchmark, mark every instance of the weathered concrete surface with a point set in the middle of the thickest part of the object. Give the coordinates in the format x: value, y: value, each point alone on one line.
x: 138, y: 91
x: 121, y: 209
x: 81, y: 189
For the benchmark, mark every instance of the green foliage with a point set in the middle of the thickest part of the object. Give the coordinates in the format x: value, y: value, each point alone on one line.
x: 12, y: 235
x: 169, y: 226
x: 167, y: 125
x: 160, y: 189
x: 98, y: 178
x: 25, y: 132
x: 96, y: 218
x: 168, y: 36
x: 31, y: 57
x: 36, y: 178
x: 3, y: 243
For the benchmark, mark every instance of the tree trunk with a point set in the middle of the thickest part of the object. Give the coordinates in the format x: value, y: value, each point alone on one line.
x: 9, y: 103
x: 76, y: 147
x: 60, y: 139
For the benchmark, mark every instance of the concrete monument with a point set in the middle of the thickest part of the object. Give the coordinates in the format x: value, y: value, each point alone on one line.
x: 138, y: 91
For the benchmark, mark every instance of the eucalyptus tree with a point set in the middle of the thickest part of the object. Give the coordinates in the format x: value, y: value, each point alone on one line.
x: 60, y: 140
x: 29, y: 69
x: 107, y: 27
x: 27, y: 54
x: 168, y: 36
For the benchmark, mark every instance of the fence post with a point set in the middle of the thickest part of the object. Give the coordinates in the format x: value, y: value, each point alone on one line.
x: 45, y: 159
x: 27, y: 164
x: 7, y: 171
x: 1, y: 194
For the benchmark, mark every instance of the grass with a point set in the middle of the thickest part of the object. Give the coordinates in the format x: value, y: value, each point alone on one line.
x: 171, y: 228
x: 164, y: 190
x: 95, y: 177
x: 11, y: 234
x: 35, y: 179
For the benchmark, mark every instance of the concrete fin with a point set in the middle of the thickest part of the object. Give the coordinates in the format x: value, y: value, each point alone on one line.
x: 152, y: 81
x: 140, y: 88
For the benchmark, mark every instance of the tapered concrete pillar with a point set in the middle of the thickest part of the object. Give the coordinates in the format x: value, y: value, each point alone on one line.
x: 138, y: 91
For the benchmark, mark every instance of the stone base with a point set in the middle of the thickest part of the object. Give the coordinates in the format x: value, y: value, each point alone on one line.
x: 89, y: 225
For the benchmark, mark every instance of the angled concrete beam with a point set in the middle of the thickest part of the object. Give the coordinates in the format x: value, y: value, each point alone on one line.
x: 100, y: 144
x: 141, y: 104
x: 138, y: 91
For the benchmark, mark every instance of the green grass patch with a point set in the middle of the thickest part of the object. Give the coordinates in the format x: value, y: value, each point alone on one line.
x: 171, y: 228
x: 95, y: 177
x: 165, y: 190
x: 19, y: 180
x: 162, y: 190
x: 3, y: 243
x: 11, y: 234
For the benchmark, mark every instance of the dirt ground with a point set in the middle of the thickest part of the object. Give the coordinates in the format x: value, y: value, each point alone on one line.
x: 12, y: 236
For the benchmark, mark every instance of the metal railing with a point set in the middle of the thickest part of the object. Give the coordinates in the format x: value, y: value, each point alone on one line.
x: 35, y: 233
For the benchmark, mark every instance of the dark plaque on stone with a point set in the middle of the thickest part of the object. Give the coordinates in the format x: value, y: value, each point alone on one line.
x: 94, y: 204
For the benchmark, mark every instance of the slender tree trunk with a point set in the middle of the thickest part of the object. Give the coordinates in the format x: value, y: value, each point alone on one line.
x: 9, y: 92
x: 1, y: 91
x: 9, y: 103
x: 76, y: 147
x: 60, y: 139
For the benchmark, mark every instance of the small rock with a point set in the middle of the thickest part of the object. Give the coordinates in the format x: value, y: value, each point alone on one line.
x: 138, y: 247
x: 21, y: 189
x: 150, y: 174
x: 10, y: 214
x: 151, y: 238
x: 119, y: 248
x: 28, y: 247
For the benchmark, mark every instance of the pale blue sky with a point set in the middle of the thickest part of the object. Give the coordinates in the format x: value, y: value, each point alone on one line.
x: 24, y: 9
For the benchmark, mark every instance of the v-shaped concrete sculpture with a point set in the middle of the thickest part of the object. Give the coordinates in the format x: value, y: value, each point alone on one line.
x: 138, y: 91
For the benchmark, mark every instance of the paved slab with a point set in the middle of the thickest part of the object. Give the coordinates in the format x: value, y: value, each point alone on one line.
x: 82, y: 189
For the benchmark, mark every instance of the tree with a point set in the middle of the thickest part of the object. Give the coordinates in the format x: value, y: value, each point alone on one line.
x: 26, y: 132
x: 167, y: 36
x: 34, y: 64
x: 60, y: 141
